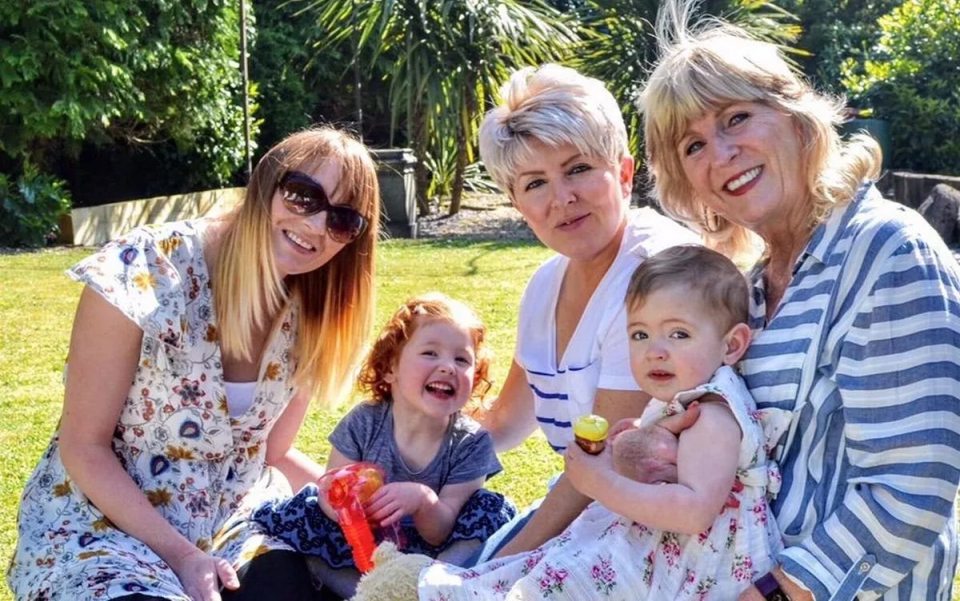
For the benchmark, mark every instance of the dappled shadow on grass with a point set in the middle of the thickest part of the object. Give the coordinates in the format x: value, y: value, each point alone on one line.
x: 448, y: 243
x: 479, y: 256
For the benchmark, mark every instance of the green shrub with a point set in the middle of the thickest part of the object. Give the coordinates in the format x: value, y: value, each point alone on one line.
x: 31, y: 207
x: 912, y: 81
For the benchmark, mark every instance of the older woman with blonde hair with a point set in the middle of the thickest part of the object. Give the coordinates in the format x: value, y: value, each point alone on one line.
x: 196, y: 349
x: 855, y: 313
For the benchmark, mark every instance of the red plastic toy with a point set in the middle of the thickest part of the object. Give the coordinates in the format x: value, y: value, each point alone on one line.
x: 347, y: 489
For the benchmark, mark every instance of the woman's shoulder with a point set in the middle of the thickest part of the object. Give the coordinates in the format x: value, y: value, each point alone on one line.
x: 152, y: 248
x: 151, y: 274
x: 168, y: 237
x: 648, y: 232
x: 544, y: 284
x: 873, y: 216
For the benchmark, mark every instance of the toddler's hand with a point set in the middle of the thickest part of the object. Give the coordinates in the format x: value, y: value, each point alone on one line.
x: 588, y: 473
x: 396, y: 500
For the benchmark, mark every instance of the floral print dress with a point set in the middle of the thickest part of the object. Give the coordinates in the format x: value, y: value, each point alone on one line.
x: 201, y: 469
x: 602, y: 555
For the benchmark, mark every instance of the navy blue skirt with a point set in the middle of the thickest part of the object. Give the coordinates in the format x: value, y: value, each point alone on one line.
x: 299, y: 522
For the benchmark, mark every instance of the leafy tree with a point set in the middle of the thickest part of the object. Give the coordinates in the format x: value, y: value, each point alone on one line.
x: 834, y: 31
x: 443, y: 60
x: 31, y: 208
x: 620, y: 47
x: 912, y: 80
x: 298, y: 87
x: 121, y: 71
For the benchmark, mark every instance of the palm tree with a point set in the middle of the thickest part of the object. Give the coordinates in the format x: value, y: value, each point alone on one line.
x: 444, y: 60
x: 619, y: 47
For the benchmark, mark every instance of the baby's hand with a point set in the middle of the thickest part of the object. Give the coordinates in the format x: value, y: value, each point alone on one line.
x: 588, y: 473
x: 398, y: 499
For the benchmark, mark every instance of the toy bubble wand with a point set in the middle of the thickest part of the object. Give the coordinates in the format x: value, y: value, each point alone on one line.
x: 347, y: 489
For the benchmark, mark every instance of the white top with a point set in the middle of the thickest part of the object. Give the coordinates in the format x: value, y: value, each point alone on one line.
x: 597, y: 356
x: 603, y: 555
x: 239, y: 396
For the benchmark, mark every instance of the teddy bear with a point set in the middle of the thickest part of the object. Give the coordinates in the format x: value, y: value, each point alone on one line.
x: 394, y: 577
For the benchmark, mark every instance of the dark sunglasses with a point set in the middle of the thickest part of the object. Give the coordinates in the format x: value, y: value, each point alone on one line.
x: 305, y: 197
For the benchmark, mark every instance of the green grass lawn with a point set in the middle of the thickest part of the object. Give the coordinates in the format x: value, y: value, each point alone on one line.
x: 36, y: 309
x: 37, y: 302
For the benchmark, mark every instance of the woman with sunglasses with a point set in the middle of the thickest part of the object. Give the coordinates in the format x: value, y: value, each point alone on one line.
x: 195, y: 350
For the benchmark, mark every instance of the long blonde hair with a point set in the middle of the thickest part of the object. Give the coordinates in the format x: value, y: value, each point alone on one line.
x: 712, y: 64
x: 336, y: 301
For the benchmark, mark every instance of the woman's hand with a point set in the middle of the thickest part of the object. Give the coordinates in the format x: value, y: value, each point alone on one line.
x: 588, y: 473
x: 629, y: 423
x: 398, y: 499
x: 649, y: 454
x: 202, y: 575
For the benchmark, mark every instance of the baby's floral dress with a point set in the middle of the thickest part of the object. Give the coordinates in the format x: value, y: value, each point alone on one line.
x: 203, y: 470
x: 602, y: 555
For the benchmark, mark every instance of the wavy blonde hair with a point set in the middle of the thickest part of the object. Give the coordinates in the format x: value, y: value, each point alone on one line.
x: 712, y: 64
x: 554, y: 105
x: 336, y: 301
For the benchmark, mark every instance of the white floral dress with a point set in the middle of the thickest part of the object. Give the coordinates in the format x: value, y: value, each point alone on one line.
x: 602, y: 555
x: 203, y: 470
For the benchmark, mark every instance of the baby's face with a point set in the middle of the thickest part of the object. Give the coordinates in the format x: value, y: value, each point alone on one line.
x: 675, y: 342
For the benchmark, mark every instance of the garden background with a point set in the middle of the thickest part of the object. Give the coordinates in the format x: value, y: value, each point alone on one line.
x: 113, y: 100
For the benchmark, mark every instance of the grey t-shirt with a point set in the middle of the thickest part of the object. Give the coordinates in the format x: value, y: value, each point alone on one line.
x: 366, y: 434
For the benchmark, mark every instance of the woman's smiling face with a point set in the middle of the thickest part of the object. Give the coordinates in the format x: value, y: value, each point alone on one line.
x: 302, y: 244
x: 745, y: 161
x: 575, y: 204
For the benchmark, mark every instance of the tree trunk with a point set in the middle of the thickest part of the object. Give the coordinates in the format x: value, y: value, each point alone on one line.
x: 465, y: 136
x: 420, y: 173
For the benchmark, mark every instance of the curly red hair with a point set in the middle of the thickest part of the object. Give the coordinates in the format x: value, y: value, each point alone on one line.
x: 385, y: 354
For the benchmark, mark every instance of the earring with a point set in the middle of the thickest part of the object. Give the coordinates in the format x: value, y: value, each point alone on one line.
x: 710, y: 221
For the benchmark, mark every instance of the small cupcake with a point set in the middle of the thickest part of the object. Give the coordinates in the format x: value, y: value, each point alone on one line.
x: 590, y: 432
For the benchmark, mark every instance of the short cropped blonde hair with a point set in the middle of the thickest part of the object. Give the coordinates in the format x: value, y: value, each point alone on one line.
x: 554, y: 105
x: 711, y: 65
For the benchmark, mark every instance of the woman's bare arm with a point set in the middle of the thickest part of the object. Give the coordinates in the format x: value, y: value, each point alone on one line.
x: 563, y: 502
x: 103, y: 358
x: 295, y: 466
x: 511, y: 419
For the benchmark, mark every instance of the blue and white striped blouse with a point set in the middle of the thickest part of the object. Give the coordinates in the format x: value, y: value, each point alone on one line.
x: 865, y: 350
